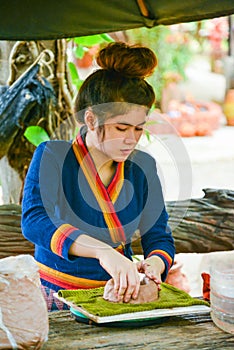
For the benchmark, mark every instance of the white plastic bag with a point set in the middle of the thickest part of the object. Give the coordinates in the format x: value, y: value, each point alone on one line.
x: 23, y: 310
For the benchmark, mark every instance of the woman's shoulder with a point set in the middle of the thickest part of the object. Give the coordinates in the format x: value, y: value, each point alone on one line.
x: 143, y: 157
x: 53, y: 149
x: 54, y: 146
x: 141, y: 162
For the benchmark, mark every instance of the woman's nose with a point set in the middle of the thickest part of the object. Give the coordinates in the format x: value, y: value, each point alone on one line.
x: 131, y: 136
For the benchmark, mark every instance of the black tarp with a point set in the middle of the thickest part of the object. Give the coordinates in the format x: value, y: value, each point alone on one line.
x: 22, y: 104
x: 49, y: 19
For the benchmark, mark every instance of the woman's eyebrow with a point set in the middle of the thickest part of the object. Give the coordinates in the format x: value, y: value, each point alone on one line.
x: 128, y: 124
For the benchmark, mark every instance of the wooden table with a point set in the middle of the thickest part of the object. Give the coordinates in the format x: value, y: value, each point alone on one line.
x: 180, y: 332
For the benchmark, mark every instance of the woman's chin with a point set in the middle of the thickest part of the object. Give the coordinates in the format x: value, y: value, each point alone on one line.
x: 120, y: 159
x: 122, y: 156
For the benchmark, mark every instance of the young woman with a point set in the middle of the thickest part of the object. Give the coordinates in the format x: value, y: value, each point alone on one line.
x: 84, y: 201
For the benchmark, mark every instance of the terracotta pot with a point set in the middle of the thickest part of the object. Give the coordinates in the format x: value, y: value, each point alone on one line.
x: 228, y: 107
x: 187, y: 119
x: 177, y: 278
x: 86, y: 61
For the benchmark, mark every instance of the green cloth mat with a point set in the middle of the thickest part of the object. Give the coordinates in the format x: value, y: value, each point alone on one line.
x: 92, y: 301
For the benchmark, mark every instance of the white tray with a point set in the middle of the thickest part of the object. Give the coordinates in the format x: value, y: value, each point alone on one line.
x: 142, y: 315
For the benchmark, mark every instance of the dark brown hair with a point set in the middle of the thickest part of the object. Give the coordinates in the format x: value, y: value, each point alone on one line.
x: 121, y: 78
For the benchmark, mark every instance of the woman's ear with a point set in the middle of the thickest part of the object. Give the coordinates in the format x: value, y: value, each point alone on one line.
x: 90, y: 119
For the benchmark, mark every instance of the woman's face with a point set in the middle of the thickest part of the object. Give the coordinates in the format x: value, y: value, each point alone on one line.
x: 122, y: 133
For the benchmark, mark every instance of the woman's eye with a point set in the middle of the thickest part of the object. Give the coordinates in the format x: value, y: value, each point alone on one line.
x: 139, y: 129
x: 121, y: 129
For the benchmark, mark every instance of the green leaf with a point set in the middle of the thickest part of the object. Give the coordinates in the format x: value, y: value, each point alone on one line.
x: 91, y: 40
x: 151, y: 122
x: 147, y: 134
x: 107, y: 37
x: 36, y: 135
x: 79, y: 51
x: 74, y: 75
x: 73, y: 72
x: 75, y: 132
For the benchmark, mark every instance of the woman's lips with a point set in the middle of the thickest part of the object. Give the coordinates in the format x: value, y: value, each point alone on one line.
x: 126, y: 152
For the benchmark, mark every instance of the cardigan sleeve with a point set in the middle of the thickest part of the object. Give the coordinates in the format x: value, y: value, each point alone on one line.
x: 156, y: 235
x: 40, y: 224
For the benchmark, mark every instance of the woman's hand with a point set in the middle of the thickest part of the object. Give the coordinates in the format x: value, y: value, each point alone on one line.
x: 152, y: 267
x: 124, y: 273
x: 122, y: 270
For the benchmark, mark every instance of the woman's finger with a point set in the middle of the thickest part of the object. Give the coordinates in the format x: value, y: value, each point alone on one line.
x: 129, y: 291
x: 133, y: 285
x: 137, y: 288
x: 140, y: 266
x: 122, y: 286
x: 116, y: 284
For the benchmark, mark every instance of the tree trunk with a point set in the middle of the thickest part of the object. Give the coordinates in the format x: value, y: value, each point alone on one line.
x: 202, y: 225
x: 10, y: 182
x: 205, y: 226
x: 9, y: 178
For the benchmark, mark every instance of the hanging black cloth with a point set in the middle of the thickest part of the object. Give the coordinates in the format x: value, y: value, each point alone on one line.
x: 22, y: 104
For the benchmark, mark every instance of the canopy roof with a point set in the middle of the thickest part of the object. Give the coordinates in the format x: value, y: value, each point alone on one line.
x: 49, y: 19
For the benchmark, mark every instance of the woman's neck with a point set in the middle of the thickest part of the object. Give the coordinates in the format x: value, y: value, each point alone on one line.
x: 105, y: 166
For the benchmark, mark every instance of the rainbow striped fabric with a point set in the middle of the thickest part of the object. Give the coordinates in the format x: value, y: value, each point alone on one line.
x: 105, y: 197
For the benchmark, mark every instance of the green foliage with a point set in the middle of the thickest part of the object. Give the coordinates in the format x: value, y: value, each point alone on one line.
x: 172, y: 49
x: 76, y: 81
x: 36, y: 135
x: 81, y: 45
x: 85, y: 42
x: 79, y: 51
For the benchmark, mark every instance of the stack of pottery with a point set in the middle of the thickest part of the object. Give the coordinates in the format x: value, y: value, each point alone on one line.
x: 177, y: 278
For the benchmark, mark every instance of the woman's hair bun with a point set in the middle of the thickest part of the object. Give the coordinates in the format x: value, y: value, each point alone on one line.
x: 131, y: 60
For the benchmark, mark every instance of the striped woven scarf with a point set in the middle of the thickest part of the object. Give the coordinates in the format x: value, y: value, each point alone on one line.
x: 105, y: 197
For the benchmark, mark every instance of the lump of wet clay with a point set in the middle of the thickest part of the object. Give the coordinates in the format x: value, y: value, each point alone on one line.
x: 23, y: 311
x: 148, y: 292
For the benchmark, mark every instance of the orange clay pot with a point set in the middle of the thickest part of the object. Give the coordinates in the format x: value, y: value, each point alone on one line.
x: 177, y: 278
x: 86, y: 61
x: 187, y: 119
